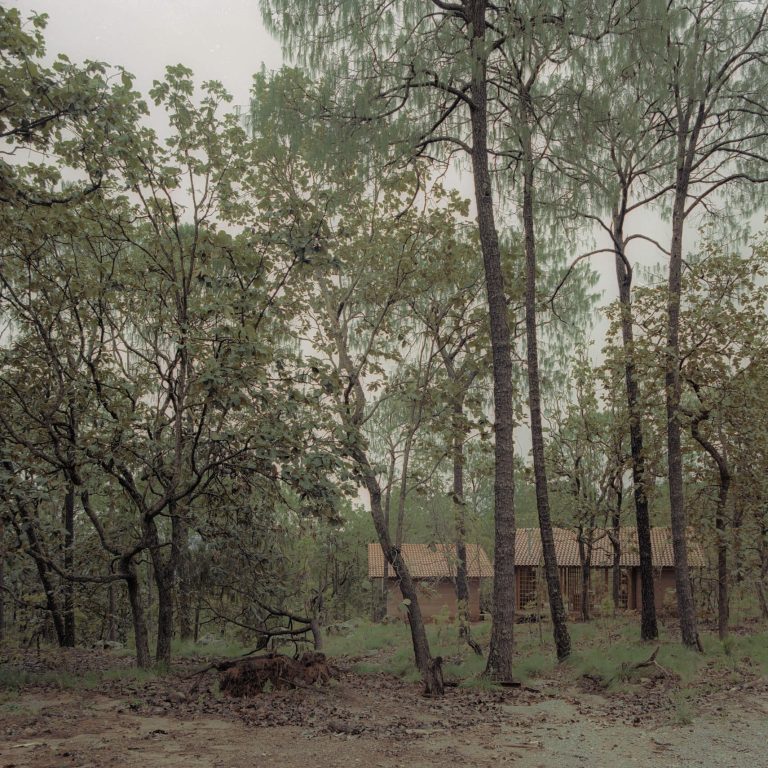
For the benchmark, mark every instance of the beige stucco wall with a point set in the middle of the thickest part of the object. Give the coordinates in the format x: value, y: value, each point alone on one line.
x: 435, y: 599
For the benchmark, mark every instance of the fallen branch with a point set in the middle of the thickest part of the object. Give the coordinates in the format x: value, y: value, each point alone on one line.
x: 651, y: 662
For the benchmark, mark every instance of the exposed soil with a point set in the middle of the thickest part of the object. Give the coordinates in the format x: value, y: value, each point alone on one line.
x: 375, y: 720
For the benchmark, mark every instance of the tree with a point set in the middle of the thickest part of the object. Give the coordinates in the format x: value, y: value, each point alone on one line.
x: 722, y: 346
x: 714, y: 58
x: 450, y: 309
x: 426, y: 76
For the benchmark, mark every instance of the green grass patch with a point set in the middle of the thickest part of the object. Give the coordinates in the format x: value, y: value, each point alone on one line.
x: 683, y: 711
x: 368, y: 637
x: 13, y: 679
x: 533, y: 665
x: 480, y: 683
x: 189, y: 649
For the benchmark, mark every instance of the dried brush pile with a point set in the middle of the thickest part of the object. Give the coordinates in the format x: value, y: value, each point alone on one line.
x: 248, y: 677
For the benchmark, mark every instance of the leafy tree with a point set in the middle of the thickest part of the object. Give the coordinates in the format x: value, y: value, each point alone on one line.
x: 427, y: 76
x: 713, y: 60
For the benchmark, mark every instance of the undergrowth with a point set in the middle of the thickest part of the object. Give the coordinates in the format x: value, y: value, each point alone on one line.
x: 15, y: 678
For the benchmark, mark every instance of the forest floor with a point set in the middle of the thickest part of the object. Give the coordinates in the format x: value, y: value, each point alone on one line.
x: 91, y: 709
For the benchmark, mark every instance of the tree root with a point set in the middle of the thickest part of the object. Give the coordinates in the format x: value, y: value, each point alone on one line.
x: 249, y: 676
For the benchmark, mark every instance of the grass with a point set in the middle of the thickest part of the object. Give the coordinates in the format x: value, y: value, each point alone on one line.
x: 13, y: 679
x: 224, y: 647
x: 606, y: 649
x: 683, y: 707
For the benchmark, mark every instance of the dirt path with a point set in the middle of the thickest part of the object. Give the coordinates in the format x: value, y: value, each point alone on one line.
x: 377, y: 721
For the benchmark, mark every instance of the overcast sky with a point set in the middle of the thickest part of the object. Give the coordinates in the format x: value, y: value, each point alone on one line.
x: 219, y: 40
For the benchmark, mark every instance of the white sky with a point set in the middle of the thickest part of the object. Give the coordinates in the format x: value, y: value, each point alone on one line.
x: 222, y: 40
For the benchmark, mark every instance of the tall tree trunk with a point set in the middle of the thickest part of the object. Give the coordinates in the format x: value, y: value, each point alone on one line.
x: 500, y: 654
x: 164, y: 572
x: 648, y: 625
x: 2, y: 582
x: 68, y: 586
x: 557, y: 610
x: 462, y: 588
x: 140, y: 633
x: 44, y: 574
x: 685, y: 606
x: 180, y: 546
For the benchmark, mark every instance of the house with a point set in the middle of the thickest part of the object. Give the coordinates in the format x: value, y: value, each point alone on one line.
x: 433, y: 569
x: 529, y: 575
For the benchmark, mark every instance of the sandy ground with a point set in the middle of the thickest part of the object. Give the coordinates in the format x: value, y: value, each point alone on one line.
x: 377, y: 721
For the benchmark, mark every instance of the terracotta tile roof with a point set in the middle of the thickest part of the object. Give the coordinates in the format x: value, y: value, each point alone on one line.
x: 528, y: 548
x: 431, y: 562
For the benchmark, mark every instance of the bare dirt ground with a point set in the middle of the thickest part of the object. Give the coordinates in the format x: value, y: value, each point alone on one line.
x: 373, y: 721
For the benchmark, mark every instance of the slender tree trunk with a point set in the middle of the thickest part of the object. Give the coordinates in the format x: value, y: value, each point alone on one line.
x: 557, y: 610
x: 685, y: 606
x: 2, y: 582
x: 723, y: 488
x: 431, y: 674
x: 43, y: 572
x: 164, y: 572
x: 68, y: 587
x: 585, y: 558
x: 616, y: 543
x: 404, y: 486
x: 429, y: 667
x: 111, y: 633
x: 500, y: 654
x: 648, y: 626
x: 380, y: 608
x: 140, y: 633
x: 462, y: 588
x: 180, y: 546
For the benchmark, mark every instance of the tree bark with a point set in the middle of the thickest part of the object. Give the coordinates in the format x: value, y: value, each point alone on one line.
x: 43, y: 572
x: 557, y: 610
x: 180, y: 546
x: 585, y: 558
x: 111, y: 631
x: 686, y: 609
x: 68, y: 586
x: 459, y: 506
x: 616, y: 544
x: 500, y: 654
x: 723, y: 487
x: 433, y: 683
x: 140, y: 634
x: 2, y: 582
x: 164, y: 572
x: 648, y: 625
